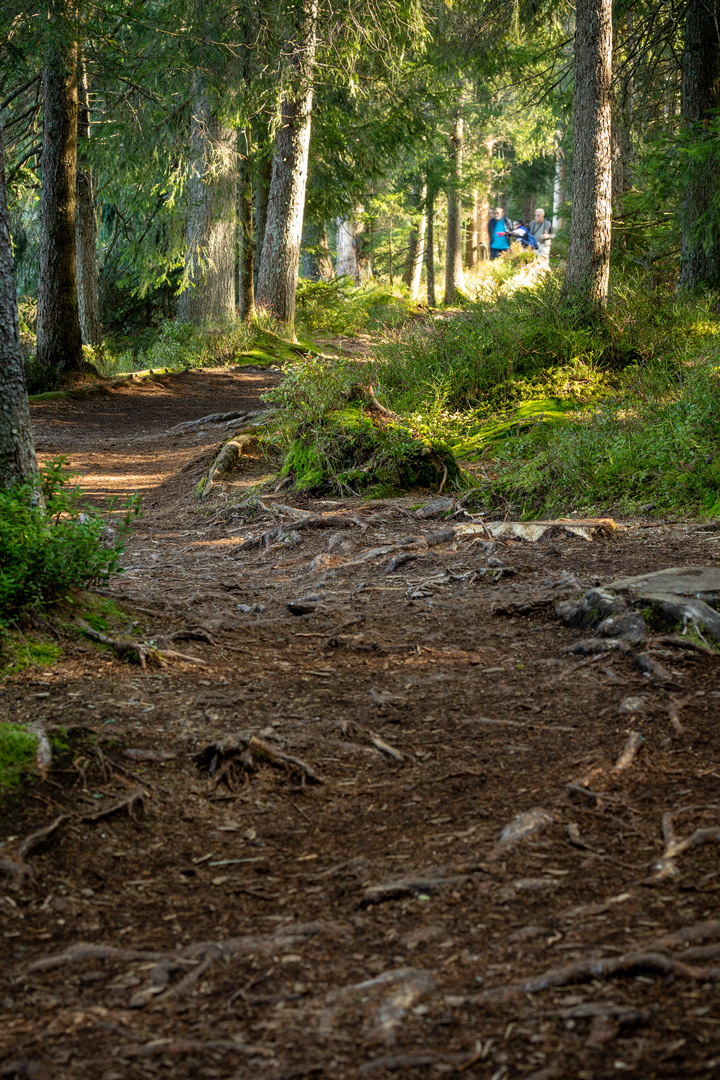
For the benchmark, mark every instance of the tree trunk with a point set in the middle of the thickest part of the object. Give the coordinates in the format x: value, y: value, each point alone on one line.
x: 416, y: 242
x: 700, y: 243
x: 86, y: 227
x: 346, y: 263
x: 588, y: 265
x: 324, y: 261
x: 560, y: 185
x: 483, y: 216
x: 262, y: 190
x: 430, y: 250
x: 622, y: 107
x: 453, y: 248
x: 17, y: 453
x: 471, y: 234
x: 246, y: 247
x: 211, y: 216
x: 286, y: 201
x: 528, y: 209
x: 59, y: 343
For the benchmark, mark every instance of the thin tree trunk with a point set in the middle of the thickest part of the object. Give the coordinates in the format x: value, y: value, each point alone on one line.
x: 59, y: 342
x: 277, y: 283
x: 211, y: 218
x: 559, y: 186
x: 86, y: 227
x: 588, y: 265
x: 622, y: 105
x: 419, y: 247
x: 528, y: 209
x: 17, y: 453
x: 700, y: 243
x: 246, y: 246
x: 346, y: 263
x: 483, y: 216
x: 416, y: 241
x: 471, y: 234
x: 430, y: 250
x: 390, y: 251
x: 453, y: 249
x: 262, y: 190
x: 324, y: 261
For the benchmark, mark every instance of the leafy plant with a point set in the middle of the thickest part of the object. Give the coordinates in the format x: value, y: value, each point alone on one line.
x: 51, y: 540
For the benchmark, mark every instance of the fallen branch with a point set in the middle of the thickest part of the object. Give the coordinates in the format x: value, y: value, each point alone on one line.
x: 137, y: 652
x: 226, y: 461
x: 627, y: 757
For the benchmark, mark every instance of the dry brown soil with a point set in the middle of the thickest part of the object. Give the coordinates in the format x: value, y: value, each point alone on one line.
x: 230, y: 921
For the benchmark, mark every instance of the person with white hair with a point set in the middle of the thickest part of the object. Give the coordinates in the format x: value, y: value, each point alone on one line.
x: 541, y: 229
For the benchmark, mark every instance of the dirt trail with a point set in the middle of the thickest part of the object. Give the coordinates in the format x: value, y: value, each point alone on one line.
x: 309, y: 878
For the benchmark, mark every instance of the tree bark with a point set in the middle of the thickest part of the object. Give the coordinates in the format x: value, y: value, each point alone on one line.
x: 59, y: 342
x: 588, y: 265
x: 246, y: 245
x: 262, y: 190
x: 483, y: 216
x: 211, y: 216
x: 430, y: 249
x: 453, y: 248
x: 471, y: 234
x: 700, y: 240
x: 277, y: 282
x: 560, y: 184
x: 346, y: 263
x: 86, y: 227
x: 324, y: 260
x: 416, y: 242
x: 17, y: 453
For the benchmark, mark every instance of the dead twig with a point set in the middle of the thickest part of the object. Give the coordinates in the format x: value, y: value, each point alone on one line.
x: 666, y: 866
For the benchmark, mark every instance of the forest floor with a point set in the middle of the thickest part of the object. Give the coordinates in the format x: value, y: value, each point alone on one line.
x: 285, y: 859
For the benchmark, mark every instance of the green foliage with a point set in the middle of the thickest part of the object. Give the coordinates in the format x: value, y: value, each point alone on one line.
x: 19, y: 651
x: 50, y: 544
x: 17, y: 754
x: 339, y: 307
x: 331, y: 441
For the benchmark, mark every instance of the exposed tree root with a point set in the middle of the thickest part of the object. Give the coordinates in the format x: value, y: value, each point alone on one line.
x: 17, y: 867
x: 133, y: 802
x: 599, y: 778
x: 136, y: 652
x: 239, y: 753
x: 226, y: 461
x: 666, y: 866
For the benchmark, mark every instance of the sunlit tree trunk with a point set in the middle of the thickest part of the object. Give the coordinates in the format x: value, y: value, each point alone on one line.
x: 211, y: 216
x: 324, y: 260
x: 262, y: 190
x: 17, y: 453
x: 86, y: 227
x: 560, y: 183
x: 588, y: 265
x: 700, y: 244
x: 277, y: 282
x: 453, y: 247
x: 471, y: 234
x: 346, y: 263
x: 430, y: 249
x: 416, y: 242
x: 59, y: 342
x: 246, y: 245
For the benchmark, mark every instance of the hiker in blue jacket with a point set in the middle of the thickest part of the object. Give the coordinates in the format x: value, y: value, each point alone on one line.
x: 523, y: 234
x: 498, y: 229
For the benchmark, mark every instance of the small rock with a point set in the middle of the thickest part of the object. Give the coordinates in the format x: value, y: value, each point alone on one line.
x: 523, y: 826
x: 631, y: 704
x: 435, y: 508
x: 630, y: 626
x: 592, y: 646
x: 494, y: 561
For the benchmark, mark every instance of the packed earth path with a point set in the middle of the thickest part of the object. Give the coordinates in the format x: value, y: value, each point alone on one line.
x: 363, y: 811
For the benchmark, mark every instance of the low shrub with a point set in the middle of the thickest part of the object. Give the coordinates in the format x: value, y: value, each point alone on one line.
x: 51, y: 540
x: 339, y: 307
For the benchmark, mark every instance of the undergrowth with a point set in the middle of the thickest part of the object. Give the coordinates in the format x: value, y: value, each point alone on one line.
x: 339, y: 307
x: 51, y: 541
x: 17, y: 754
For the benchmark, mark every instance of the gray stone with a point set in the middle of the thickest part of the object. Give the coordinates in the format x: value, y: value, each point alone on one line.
x: 701, y: 582
x: 629, y: 625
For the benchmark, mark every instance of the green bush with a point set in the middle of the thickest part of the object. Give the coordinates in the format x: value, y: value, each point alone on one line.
x: 50, y: 540
x: 339, y: 307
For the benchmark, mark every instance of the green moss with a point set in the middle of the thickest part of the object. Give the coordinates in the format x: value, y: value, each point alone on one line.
x: 18, y: 651
x: 17, y: 754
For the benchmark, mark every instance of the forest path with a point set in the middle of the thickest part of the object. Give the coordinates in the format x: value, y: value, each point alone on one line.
x: 211, y: 908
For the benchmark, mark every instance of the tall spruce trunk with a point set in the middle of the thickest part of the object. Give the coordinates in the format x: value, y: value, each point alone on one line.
x: 453, y: 248
x: 324, y: 258
x: 246, y: 243
x: 86, y: 227
x: 588, y: 265
x: 471, y: 234
x: 277, y: 282
x: 17, y: 453
x: 211, y: 215
x: 262, y: 190
x: 59, y: 342
x: 430, y: 249
x: 700, y: 241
